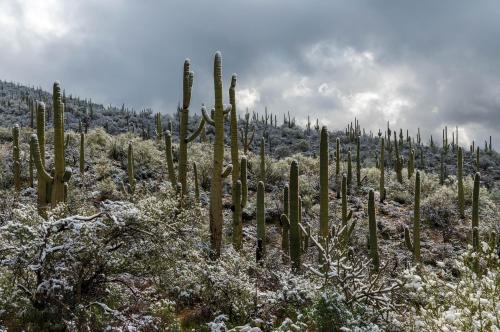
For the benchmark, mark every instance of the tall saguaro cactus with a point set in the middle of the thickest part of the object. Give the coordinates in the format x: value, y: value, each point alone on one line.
x: 323, y: 184
x: 16, y: 158
x: 460, y: 180
x: 285, y: 226
x: 261, y: 220
x: 358, y: 162
x: 295, y: 251
x: 51, y: 189
x: 475, y: 212
x: 82, y: 153
x: 414, y: 246
x: 170, y: 160
x: 218, y: 175
x: 130, y: 169
x: 184, y: 139
x: 61, y: 174
x: 337, y: 167
x: 382, y: 168
x: 372, y: 226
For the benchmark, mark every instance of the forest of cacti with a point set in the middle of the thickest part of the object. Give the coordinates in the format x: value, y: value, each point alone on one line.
x: 221, y: 219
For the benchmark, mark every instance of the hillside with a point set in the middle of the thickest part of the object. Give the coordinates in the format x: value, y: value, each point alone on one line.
x: 124, y: 245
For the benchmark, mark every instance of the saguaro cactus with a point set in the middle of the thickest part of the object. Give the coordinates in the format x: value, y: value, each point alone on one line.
x: 237, y: 222
x: 475, y: 212
x: 382, y: 167
x: 184, y: 139
x: 294, y: 216
x: 246, y: 141
x: 460, y: 183
x: 414, y: 246
x: 398, y: 166
x: 130, y: 169
x: 170, y: 160
x: 261, y: 220
x: 51, y: 189
x: 411, y: 163
x: 337, y: 168
x: 358, y: 162
x: 372, y: 226
x: 323, y: 184
x: 216, y: 217
x: 16, y: 158
x: 61, y: 174
x: 285, y: 226
x: 349, y: 172
x: 82, y: 153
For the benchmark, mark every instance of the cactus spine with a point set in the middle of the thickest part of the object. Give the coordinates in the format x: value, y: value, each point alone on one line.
x: 261, y: 221
x: 130, y: 169
x: 323, y: 184
x: 414, y: 246
x: 372, y: 225
x: 294, y: 216
x: 475, y: 212
x: 218, y: 175
x: 285, y: 226
x: 382, y: 180
x: 16, y: 158
x: 460, y: 179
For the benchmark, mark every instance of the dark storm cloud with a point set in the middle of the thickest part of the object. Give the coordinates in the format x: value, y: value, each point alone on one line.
x: 416, y: 63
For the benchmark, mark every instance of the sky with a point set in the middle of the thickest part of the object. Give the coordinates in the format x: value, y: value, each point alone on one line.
x: 422, y: 64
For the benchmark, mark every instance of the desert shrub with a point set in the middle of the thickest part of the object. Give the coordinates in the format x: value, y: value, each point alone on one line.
x: 440, y: 302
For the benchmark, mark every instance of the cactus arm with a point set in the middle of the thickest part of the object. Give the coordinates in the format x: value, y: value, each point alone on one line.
x: 250, y: 141
x: 207, y: 118
x: 197, y: 132
x: 40, y: 168
x: 227, y: 171
x: 227, y: 110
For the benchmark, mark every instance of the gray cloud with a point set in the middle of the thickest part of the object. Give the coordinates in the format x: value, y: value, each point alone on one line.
x: 419, y: 63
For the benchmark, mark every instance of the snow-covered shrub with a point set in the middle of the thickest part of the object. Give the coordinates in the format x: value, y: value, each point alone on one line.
x: 440, y: 302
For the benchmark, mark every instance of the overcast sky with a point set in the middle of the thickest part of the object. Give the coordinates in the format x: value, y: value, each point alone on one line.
x: 415, y: 63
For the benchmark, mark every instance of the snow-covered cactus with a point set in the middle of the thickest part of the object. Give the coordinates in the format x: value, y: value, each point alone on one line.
x: 82, y: 153
x: 475, y: 212
x: 285, y: 226
x: 323, y: 184
x: 246, y: 140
